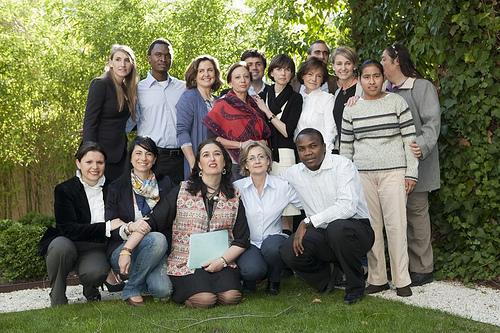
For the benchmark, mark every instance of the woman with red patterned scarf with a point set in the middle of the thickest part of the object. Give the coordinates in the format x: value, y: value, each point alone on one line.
x: 235, y: 118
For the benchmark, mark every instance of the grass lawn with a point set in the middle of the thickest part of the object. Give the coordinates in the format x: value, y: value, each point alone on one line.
x: 297, y: 309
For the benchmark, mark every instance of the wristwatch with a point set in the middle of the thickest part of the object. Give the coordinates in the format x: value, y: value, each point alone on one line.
x: 307, y: 221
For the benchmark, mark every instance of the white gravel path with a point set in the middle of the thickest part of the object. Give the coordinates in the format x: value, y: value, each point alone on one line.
x: 478, y: 303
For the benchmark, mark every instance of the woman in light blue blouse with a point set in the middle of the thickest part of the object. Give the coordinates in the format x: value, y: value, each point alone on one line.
x: 265, y: 197
x: 202, y: 79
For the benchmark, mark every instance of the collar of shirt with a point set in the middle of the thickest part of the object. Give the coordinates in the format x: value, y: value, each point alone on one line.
x: 150, y: 80
x: 100, y: 182
x: 252, y: 92
x: 247, y: 182
x: 325, y: 165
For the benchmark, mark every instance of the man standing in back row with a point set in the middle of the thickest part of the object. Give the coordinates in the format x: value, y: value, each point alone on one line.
x: 321, y: 51
x: 256, y: 62
x: 156, y: 116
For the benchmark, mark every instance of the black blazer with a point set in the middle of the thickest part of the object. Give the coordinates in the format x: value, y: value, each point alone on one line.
x: 120, y: 204
x: 103, y: 123
x: 72, y: 212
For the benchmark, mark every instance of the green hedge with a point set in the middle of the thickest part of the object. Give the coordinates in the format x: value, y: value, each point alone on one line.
x: 18, y: 247
x: 455, y: 44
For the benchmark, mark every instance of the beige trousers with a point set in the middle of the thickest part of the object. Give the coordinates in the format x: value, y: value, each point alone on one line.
x: 386, y: 198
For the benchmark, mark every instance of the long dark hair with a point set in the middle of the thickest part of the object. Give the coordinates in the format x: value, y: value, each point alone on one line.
x: 406, y: 65
x: 195, y: 184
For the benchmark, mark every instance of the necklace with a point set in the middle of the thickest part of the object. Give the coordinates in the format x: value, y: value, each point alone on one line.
x: 345, y: 87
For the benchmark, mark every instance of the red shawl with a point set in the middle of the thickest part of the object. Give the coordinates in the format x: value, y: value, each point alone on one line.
x: 234, y: 120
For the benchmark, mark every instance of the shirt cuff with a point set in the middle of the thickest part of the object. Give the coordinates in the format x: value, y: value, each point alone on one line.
x: 108, y: 229
x: 187, y: 144
x: 122, y: 233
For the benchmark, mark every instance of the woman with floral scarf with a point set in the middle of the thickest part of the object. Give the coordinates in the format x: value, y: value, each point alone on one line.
x: 138, y: 250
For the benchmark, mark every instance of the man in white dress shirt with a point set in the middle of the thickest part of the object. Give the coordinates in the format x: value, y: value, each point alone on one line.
x: 337, y: 228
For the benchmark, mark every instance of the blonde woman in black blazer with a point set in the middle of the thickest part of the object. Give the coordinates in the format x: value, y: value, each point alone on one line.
x: 111, y: 100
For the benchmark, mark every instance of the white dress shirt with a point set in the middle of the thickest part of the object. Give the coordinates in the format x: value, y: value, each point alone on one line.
x: 317, y: 113
x: 156, y: 115
x: 330, y: 193
x: 95, y: 199
x: 264, y: 212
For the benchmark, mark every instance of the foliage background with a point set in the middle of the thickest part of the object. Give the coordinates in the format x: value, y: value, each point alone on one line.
x: 52, y: 49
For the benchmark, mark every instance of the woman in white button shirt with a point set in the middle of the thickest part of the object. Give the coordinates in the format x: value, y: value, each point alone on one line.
x: 265, y: 197
x: 317, y: 107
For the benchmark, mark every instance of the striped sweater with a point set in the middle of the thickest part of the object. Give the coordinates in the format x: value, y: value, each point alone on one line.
x: 376, y: 135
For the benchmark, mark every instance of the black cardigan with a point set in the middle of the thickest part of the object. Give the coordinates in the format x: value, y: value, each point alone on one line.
x: 120, y: 204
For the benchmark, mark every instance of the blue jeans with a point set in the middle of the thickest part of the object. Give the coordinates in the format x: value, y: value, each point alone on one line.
x: 148, y: 268
x: 257, y: 264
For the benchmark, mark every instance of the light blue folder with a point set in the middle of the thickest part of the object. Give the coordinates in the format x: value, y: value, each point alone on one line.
x: 206, y: 246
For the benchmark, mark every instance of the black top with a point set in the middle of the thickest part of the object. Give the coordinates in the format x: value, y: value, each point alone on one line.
x: 72, y: 212
x: 120, y: 204
x: 290, y: 116
x: 338, y: 109
x: 166, y: 210
x: 103, y: 123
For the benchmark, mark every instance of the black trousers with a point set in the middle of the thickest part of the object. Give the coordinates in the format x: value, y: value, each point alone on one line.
x: 170, y: 163
x: 343, y: 242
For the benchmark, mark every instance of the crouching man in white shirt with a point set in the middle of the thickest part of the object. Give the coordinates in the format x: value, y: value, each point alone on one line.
x: 337, y: 227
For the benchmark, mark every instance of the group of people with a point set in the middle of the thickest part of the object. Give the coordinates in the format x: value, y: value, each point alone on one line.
x: 355, y: 152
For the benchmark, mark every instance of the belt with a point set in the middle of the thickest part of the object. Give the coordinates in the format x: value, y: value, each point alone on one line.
x: 170, y: 151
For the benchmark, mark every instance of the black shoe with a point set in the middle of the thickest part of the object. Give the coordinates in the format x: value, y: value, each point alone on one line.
x: 373, y: 289
x: 273, y: 288
x: 353, y: 297
x: 91, y: 294
x: 113, y: 288
x: 419, y: 279
x: 249, y: 287
x: 404, y: 291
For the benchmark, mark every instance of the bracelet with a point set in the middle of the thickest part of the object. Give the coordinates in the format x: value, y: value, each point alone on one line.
x: 224, y: 261
x: 127, y: 249
x: 125, y: 253
x: 287, y: 232
x: 272, y: 117
x: 127, y: 230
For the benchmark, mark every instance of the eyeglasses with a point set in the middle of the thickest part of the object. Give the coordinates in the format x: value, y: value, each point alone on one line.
x: 254, y: 159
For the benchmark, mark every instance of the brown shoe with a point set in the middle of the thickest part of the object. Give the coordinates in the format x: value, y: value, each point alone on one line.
x: 404, y: 291
x: 373, y: 289
x: 131, y: 302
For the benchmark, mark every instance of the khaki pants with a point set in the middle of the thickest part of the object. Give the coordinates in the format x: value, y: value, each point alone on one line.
x: 386, y: 198
x: 419, y: 233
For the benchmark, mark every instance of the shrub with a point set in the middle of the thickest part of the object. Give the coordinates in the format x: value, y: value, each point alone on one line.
x: 18, y: 246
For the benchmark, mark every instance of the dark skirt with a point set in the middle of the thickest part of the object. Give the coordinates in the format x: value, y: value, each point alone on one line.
x: 202, y: 281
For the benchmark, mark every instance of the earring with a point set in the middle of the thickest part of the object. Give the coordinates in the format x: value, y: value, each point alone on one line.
x: 224, y: 171
x: 200, y: 174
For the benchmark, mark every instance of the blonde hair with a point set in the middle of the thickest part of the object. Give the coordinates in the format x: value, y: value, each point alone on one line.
x: 129, y: 92
x: 246, y: 150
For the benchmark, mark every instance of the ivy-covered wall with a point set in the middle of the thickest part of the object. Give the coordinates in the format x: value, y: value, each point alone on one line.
x: 455, y: 43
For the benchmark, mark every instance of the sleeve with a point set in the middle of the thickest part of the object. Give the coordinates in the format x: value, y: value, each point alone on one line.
x: 430, y: 115
x: 185, y: 115
x: 67, y: 220
x: 293, y: 116
x: 111, y: 210
x: 95, y: 102
x: 347, y: 137
x: 347, y: 198
x: 329, y: 121
x: 163, y: 214
x: 293, y: 197
x: 241, y: 232
x: 407, y: 129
